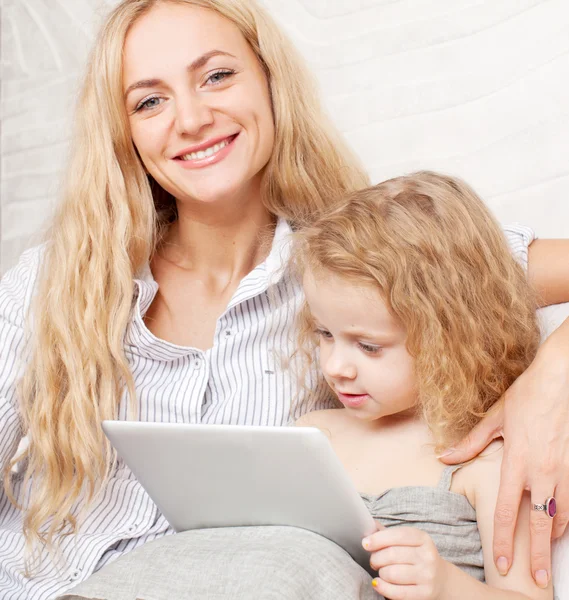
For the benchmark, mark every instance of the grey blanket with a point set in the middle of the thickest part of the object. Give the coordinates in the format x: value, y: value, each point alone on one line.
x: 232, y: 563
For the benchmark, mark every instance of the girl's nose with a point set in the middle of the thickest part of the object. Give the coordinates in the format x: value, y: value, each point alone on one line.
x: 339, y: 366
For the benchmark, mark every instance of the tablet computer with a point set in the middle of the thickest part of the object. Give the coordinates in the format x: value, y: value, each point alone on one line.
x: 203, y: 476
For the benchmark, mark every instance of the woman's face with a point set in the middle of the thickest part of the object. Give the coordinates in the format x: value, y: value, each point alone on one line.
x: 198, y: 104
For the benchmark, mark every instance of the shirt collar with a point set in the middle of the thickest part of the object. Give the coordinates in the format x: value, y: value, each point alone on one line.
x: 279, y: 256
x: 272, y: 269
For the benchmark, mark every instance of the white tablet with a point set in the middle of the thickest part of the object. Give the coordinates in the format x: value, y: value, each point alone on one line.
x: 203, y: 476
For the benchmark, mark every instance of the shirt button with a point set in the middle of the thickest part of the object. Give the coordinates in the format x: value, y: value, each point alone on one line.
x: 132, y: 528
x: 228, y: 332
x: 197, y: 362
x: 75, y: 575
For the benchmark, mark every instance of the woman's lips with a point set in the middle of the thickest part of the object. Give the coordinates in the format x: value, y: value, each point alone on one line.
x: 352, y: 400
x: 204, y: 158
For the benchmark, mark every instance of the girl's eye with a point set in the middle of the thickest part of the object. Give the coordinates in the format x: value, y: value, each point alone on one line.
x: 148, y: 103
x: 218, y: 76
x: 323, y: 333
x: 369, y: 348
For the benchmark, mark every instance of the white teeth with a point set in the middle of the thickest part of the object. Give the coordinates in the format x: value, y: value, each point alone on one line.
x: 205, y: 153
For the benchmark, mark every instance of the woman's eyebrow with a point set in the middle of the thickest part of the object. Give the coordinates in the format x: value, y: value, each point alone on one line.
x: 198, y: 63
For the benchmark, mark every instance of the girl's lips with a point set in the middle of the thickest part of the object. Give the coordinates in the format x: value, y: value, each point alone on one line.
x: 352, y: 400
x: 199, y: 163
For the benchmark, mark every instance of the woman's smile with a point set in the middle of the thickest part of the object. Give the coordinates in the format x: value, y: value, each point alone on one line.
x: 207, y: 153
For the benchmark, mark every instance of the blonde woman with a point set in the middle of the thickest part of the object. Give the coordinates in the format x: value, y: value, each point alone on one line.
x: 199, y: 143
x: 422, y: 320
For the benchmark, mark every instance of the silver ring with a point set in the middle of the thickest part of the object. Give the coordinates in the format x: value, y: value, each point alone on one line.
x: 549, y: 508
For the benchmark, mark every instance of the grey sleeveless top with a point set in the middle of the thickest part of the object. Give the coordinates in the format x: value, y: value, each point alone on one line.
x: 446, y: 516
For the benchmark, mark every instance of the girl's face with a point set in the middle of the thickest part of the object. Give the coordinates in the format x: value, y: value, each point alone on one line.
x: 362, y: 347
x: 198, y: 104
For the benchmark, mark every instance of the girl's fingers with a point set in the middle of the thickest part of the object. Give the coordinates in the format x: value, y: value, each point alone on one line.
x: 394, y: 592
x: 399, y: 574
x: 394, y: 536
x: 395, y: 555
x: 380, y: 526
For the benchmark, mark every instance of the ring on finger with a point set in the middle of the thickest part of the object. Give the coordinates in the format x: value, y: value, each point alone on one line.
x: 549, y: 507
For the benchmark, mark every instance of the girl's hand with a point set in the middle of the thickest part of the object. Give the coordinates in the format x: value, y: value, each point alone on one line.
x: 408, y: 562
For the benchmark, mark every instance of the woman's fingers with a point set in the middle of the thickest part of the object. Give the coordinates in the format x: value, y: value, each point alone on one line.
x: 561, y: 519
x: 489, y: 428
x: 506, y: 513
x: 541, y: 525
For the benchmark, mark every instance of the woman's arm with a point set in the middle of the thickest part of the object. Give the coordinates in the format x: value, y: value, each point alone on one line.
x: 533, y: 418
x: 548, y: 270
x: 16, y: 289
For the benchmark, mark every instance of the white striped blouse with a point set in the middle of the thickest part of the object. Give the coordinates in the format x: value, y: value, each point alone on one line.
x: 240, y: 380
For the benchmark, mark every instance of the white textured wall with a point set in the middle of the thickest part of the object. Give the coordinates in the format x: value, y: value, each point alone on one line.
x: 479, y: 88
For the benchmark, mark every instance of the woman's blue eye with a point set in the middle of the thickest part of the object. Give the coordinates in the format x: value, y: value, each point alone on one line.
x: 148, y: 103
x: 219, y: 76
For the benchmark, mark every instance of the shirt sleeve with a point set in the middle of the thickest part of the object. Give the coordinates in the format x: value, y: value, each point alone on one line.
x: 519, y: 237
x: 16, y: 290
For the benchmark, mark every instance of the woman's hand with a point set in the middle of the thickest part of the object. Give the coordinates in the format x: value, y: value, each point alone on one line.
x: 408, y: 562
x: 533, y: 418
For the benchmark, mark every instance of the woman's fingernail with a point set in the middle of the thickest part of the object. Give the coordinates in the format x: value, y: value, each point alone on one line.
x: 542, y: 579
x: 365, y: 543
x: 446, y: 453
x: 374, y: 582
x: 502, y: 565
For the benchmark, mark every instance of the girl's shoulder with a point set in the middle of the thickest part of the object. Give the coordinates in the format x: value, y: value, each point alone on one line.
x: 326, y: 420
x: 475, y: 476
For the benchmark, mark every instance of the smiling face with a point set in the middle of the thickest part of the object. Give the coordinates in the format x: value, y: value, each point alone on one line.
x: 198, y: 104
x: 362, y: 347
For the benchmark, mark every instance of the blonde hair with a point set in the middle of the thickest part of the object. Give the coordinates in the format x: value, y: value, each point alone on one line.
x: 442, y: 264
x: 107, y: 228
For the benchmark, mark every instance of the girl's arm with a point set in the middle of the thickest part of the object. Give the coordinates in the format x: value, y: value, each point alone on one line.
x: 410, y: 567
x: 470, y: 589
x: 484, y: 475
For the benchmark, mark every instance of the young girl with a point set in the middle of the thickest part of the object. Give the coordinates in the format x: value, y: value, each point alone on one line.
x: 422, y: 320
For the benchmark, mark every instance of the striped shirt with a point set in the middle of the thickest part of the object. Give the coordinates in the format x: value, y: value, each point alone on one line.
x: 241, y: 380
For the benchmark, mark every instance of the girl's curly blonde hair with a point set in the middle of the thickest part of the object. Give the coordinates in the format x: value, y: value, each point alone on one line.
x: 445, y: 270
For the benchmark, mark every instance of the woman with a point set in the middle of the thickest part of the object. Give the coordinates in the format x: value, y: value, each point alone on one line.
x: 192, y: 158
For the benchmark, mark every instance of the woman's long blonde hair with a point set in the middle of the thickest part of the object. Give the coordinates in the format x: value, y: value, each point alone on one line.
x: 440, y: 260
x: 106, y: 229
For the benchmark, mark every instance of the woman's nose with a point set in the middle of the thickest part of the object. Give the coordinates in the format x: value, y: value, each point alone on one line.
x: 192, y: 114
